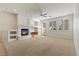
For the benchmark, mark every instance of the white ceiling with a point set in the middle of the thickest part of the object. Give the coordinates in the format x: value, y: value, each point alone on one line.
x: 35, y: 9
x: 18, y: 7
x: 57, y: 8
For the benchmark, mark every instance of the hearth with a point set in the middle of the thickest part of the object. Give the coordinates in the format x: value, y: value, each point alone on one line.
x: 24, y: 32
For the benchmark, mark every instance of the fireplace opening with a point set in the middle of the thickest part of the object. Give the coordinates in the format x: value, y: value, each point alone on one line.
x: 24, y: 32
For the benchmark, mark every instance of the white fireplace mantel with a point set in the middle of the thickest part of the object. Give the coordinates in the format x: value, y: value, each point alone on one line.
x: 26, y: 36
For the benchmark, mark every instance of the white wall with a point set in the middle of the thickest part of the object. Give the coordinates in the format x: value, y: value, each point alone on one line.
x: 8, y: 21
x: 76, y: 28
x: 67, y: 34
x: 23, y: 19
x: 57, y: 10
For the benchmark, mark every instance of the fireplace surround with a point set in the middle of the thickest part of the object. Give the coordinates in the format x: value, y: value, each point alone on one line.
x: 24, y: 32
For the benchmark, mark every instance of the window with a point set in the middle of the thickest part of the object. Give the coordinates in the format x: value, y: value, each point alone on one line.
x: 60, y: 25
x: 54, y: 25
x: 50, y: 24
x: 66, y: 24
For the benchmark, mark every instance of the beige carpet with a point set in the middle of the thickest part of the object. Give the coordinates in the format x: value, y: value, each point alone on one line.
x: 41, y: 46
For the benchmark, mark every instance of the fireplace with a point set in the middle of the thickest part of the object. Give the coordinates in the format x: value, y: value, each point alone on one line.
x: 24, y: 32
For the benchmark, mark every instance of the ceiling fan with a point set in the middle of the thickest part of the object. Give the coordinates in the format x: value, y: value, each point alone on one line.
x: 44, y: 14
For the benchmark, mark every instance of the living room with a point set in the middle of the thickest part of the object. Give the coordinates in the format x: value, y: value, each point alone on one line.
x: 37, y: 29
